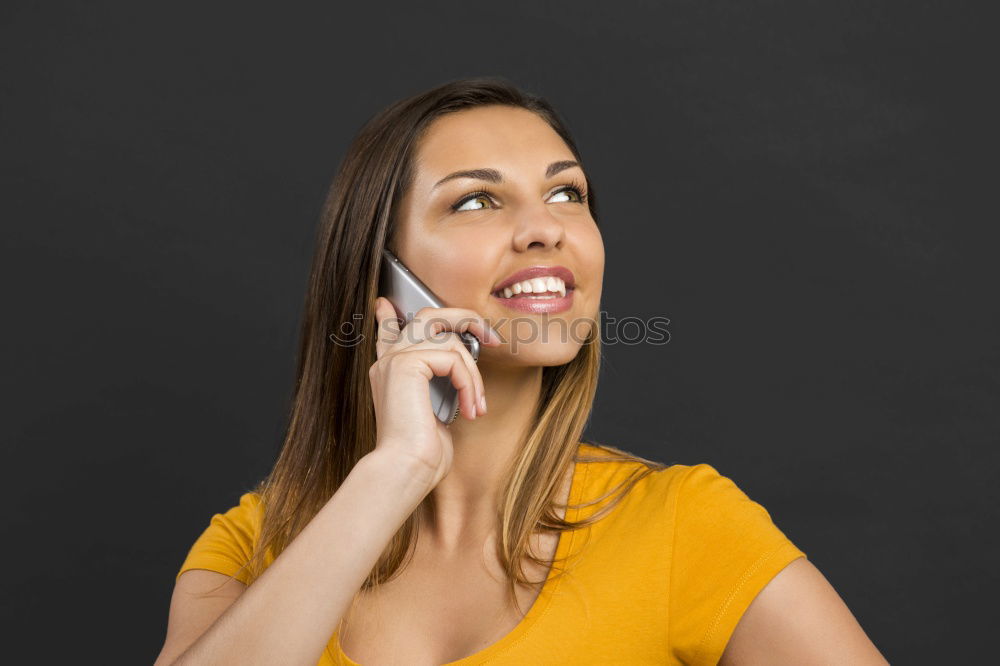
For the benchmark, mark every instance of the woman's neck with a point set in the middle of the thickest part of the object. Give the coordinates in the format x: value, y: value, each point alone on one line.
x: 463, y: 505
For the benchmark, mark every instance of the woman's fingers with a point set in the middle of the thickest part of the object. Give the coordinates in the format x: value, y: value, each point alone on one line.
x: 428, y: 322
x: 441, y: 362
x: 438, y: 329
x: 452, y: 341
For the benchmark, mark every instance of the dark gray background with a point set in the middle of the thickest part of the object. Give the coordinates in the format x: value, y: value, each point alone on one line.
x: 803, y: 188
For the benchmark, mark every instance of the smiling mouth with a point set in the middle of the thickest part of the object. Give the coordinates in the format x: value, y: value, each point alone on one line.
x: 546, y: 296
x: 539, y: 288
x: 551, y: 301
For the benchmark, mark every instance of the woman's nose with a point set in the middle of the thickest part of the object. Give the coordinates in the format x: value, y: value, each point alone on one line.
x: 539, y: 228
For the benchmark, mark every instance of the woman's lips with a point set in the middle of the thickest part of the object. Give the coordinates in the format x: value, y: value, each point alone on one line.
x: 536, y: 305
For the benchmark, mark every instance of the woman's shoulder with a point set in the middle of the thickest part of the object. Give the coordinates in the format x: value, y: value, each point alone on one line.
x: 228, y: 541
x: 634, y: 484
x: 606, y: 465
x: 248, y: 513
x: 696, y: 489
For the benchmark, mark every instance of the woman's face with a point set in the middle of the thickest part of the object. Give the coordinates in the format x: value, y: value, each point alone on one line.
x: 464, y: 246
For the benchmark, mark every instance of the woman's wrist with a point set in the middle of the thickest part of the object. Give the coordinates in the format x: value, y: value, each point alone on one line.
x: 404, y: 477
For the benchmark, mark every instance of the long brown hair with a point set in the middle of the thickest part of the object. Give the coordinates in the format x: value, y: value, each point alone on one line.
x: 332, y: 420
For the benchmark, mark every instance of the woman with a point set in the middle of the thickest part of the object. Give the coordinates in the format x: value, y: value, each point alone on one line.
x: 391, y: 538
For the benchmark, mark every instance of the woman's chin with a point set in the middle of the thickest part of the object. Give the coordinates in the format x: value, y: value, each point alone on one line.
x: 528, y: 354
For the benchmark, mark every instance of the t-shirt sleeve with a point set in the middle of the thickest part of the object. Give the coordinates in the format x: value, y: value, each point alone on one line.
x: 726, y: 550
x: 227, y: 543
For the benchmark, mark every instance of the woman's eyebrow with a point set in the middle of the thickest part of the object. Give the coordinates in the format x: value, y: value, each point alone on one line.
x: 493, y: 176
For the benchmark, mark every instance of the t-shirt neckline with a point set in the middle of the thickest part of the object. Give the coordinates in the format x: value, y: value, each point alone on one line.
x: 542, y: 601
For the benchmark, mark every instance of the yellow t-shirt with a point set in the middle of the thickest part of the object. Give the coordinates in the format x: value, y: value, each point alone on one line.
x: 662, y: 579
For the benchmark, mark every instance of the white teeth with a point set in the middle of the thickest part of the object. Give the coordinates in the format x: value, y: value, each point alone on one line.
x: 539, y: 285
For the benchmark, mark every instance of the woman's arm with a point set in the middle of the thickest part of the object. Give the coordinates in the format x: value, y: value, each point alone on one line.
x: 289, y: 614
x: 798, y: 618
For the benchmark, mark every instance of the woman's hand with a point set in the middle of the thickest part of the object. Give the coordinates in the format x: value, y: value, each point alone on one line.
x: 407, y: 360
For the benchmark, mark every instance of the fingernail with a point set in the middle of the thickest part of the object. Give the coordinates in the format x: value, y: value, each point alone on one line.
x: 482, y: 403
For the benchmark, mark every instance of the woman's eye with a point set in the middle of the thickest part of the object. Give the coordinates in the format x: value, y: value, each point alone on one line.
x: 569, y: 190
x: 475, y: 197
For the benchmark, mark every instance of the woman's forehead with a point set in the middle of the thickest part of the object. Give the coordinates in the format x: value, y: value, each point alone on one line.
x: 513, y: 141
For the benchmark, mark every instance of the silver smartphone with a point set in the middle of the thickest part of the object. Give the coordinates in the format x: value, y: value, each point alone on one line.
x: 408, y: 295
